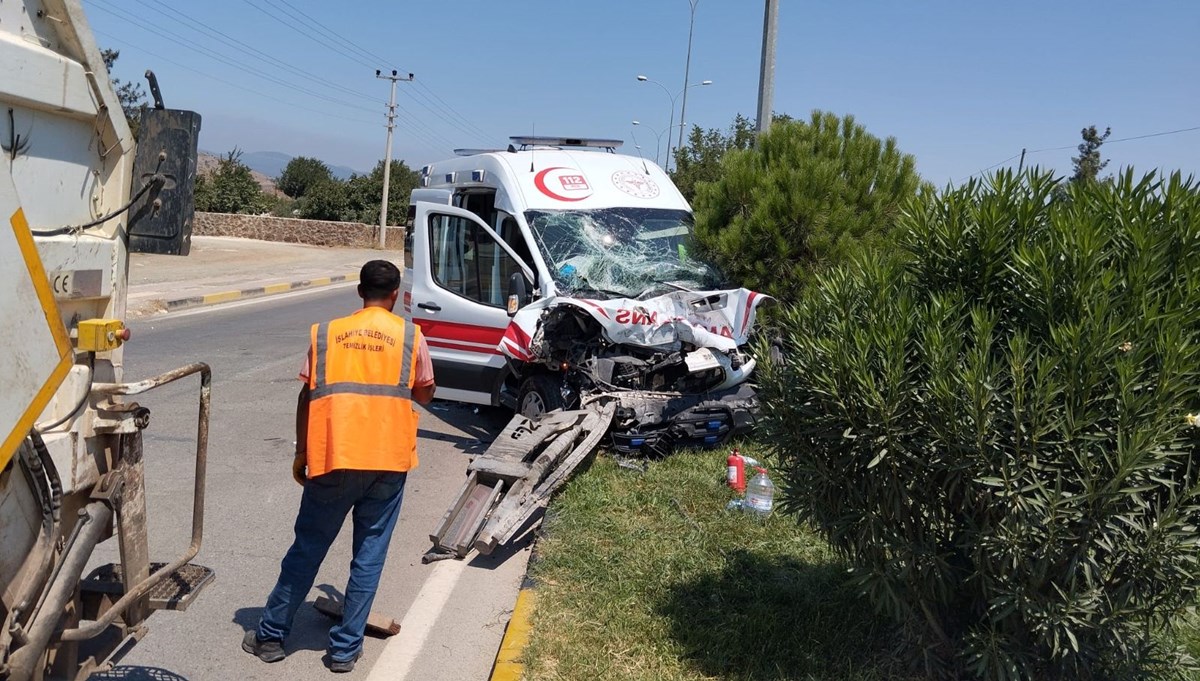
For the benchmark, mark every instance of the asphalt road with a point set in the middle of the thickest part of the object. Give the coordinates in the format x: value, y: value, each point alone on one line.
x: 453, y: 613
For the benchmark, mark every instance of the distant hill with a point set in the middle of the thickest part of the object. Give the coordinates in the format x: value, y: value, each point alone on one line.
x: 265, y: 166
x: 272, y: 163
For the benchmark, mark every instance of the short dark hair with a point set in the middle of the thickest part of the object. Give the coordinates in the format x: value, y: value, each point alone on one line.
x: 378, y: 279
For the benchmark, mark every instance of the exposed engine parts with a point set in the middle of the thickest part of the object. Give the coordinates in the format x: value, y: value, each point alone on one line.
x: 674, y: 393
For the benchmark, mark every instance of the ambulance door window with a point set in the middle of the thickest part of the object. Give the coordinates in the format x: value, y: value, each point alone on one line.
x: 452, y: 255
x: 506, y: 226
x: 467, y: 262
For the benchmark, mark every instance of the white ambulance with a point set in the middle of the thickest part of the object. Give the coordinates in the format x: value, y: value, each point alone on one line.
x: 559, y: 268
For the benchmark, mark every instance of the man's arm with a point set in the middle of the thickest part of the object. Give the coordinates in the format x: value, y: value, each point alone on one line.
x: 302, y: 420
x: 301, y: 461
x: 423, y: 394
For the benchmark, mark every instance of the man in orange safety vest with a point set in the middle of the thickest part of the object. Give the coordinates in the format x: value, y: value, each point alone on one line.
x: 356, y: 440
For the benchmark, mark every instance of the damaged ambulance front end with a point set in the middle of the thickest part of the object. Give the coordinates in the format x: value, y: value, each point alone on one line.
x: 638, y: 320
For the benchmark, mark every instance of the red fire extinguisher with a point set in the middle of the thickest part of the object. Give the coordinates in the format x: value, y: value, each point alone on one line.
x: 735, y: 471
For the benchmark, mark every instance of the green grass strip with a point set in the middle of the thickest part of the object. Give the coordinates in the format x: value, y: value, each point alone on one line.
x: 647, y: 576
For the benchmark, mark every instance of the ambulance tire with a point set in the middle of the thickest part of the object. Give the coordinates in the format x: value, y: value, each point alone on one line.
x: 539, y: 394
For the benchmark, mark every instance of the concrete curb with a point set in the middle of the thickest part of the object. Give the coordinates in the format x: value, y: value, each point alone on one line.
x: 508, y: 665
x: 256, y: 292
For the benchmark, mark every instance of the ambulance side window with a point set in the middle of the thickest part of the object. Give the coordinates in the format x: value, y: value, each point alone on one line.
x: 408, y: 237
x: 467, y: 262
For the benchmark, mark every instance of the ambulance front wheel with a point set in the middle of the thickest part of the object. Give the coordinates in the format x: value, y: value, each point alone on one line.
x: 539, y: 394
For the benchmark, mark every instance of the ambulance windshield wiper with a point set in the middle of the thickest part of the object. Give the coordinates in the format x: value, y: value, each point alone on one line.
x: 662, y: 282
x: 584, y: 284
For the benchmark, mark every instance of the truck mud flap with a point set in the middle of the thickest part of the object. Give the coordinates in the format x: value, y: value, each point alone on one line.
x: 527, y: 462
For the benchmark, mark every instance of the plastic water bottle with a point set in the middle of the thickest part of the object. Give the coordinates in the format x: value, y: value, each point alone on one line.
x: 760, y: 494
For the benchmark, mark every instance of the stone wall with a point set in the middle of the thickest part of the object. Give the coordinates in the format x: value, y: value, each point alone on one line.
x: 291, y: 230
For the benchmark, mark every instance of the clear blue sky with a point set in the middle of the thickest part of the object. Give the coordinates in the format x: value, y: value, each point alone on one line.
x: 960, y: 85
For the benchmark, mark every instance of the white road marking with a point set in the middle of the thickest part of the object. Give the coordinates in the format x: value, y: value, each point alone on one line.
x: 249, y: 301
x: 403, y: 649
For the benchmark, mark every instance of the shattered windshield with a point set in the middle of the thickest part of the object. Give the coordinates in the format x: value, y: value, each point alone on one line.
x: 620, y: 251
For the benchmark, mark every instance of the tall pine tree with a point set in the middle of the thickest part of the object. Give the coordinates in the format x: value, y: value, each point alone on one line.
x: 1088, y: 163
x: 804, y: 197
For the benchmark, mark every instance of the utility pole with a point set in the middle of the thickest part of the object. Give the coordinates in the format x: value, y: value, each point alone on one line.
x: 766, y: 80
x: 687, y: 67
x: 387, y: 154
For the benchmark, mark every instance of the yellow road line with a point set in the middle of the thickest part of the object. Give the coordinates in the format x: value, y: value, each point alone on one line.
x: 508, y: 665
x: 277, y: 288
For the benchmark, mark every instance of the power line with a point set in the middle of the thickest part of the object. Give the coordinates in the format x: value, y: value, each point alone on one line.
x: 198, y: 26
x: 303, y: 27
x: 290, y: 21
x: 429, y: 143
x: 306, y: 20
x: 984, y: 170
x: 427, y: 137
x: 337, y: 36
x: 259, y: 93
x: 1076, y: 146
x: 173, y: 36
x: 454, y: 112
x: 310, y: 27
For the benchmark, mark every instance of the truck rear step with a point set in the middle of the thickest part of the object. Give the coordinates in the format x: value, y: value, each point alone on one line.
x: 175, y: 592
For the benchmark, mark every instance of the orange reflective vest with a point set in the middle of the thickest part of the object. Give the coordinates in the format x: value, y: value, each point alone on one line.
x: 360, y: 410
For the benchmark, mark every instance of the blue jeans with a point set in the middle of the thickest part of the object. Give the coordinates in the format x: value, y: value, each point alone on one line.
x: 375, y: 498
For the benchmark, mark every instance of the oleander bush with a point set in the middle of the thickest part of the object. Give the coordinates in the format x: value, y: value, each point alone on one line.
x: 992, y: 424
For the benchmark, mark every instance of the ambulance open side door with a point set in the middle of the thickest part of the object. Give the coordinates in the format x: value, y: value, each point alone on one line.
x: 459, y: 296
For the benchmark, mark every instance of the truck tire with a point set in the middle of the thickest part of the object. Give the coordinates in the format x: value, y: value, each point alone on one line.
x: 539, y: 394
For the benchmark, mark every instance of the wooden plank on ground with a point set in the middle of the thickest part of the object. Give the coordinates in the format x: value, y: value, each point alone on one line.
x: 377, y: 624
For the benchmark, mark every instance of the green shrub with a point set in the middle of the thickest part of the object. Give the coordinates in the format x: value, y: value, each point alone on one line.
x: 992, y: 429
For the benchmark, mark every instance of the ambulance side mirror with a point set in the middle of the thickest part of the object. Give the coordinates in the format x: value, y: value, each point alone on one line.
x: 518, y: 293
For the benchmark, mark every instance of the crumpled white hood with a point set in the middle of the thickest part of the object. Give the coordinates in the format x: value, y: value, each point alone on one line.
x: 721, y: 320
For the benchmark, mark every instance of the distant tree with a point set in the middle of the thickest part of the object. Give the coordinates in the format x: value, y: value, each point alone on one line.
x: 129, y: 93
x: 700, y: 159
x: 366, y: 191
x: 302, y: 173
x: 1088, y: 163
x: 231, y: 188
x: 327, y: 199
x: 279, y: 205
x: 806, y: 196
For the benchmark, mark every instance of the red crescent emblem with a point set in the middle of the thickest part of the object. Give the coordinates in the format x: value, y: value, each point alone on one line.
x: 539, y: 181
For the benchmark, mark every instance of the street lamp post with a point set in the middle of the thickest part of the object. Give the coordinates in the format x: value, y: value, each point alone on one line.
x: 687, y: 68
x: 671, y: 125
x: 657, y: 140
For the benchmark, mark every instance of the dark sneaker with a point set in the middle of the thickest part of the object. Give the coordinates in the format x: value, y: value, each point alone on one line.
x: 267, y: 651
x: 344, y: 666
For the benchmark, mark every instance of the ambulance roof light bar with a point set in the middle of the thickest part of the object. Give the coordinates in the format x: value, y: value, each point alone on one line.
x: 475, y: 152
x: 527, y: 141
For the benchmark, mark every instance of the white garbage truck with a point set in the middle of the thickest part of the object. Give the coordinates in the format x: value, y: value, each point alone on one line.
x: 78, y: 194
x: 559, y: 278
